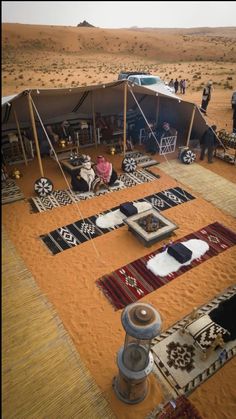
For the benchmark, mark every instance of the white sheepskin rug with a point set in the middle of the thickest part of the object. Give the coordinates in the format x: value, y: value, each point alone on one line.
x: 164, y: 264
x: 116, y: 217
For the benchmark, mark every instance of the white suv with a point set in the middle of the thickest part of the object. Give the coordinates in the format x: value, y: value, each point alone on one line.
x: 151, y: 82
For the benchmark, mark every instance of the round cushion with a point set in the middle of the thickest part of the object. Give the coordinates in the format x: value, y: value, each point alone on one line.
x: 129, y: 164
x: 187, y: 156
x: 43, y: 186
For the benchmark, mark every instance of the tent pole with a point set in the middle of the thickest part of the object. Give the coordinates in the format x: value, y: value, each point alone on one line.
x: 20, y: 137
x: 190, y: 126
x: 94, y: 122
x: 35, y: 135
x: 125, y: 111
x: 157, y: 111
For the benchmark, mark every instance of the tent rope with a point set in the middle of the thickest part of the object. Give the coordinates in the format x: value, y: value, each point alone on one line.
x: 148, y: 125
x: 64, y: 176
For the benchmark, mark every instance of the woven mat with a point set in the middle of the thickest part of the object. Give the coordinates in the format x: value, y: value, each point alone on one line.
x: 133, y: 281
x: 178, y: 364
x: 43, y: 375
x: 11, y: 192
x: 72, y: 235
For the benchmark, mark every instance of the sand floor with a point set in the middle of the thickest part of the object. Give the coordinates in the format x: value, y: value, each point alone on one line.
x: 68, y: 281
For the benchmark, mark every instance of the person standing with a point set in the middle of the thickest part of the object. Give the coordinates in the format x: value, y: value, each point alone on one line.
x: 206, y: 96
x: 234, y: 120
x: 176, y: 85
x: 208, y: 142
x: 184, y: 85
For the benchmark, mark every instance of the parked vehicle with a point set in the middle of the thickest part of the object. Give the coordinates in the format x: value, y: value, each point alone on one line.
x: 233, y: 100
x: 125, y: 74
x: 147, y: 80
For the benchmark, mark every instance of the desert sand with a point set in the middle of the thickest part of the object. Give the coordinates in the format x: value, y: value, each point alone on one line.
x: 68, y: 279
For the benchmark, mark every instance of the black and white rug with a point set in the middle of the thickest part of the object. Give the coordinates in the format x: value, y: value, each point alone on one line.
x: 72, y: 235
x: 60, y: 198
x: 11, y: 192
x: 142, y: 160
x: 178, y: 364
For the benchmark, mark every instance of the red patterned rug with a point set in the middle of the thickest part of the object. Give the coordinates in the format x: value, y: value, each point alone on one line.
x: 181, y: 408
x: 133, y: 281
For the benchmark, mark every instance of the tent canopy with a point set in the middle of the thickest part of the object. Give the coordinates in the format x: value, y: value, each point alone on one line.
x: 56, y: 105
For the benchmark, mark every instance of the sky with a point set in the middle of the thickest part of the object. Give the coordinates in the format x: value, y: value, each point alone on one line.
x: 122, y: 14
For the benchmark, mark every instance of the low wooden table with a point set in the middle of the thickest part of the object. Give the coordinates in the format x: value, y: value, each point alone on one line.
x: 148, y: 239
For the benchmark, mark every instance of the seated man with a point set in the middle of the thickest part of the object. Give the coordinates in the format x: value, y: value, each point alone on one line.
x: 105, y: 171
x: 85, y: 179
x: 152, y: 144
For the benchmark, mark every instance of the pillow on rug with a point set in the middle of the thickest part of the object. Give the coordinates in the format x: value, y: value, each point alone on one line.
x: 43, y: 187
x: 225, y: 315
x: 114, y: 218
x: 163, y: 264
x: 204, y: 331
x: 129, y: 165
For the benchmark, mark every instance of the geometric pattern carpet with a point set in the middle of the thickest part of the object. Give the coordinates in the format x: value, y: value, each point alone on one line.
x: 178, y: 363
x: 131, y: 282
x: 11, y: 192
x: 72, y: 235
x: 61, y: 198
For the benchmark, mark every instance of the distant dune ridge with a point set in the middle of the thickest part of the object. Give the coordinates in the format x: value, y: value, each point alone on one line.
x: 40, y: 56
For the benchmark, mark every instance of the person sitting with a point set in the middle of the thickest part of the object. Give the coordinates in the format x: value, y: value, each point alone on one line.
x: 105, y: 171
x: 153, y: 144
x: 52, y: 135
x: 85, y: 178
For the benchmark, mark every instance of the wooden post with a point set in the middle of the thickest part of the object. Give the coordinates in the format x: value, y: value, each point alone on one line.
x: 20, y: 137
x: 190, y: 126
x: 35, y: 135
x: 94, y: 121
x: 125, y: 112
x: 157, y: 110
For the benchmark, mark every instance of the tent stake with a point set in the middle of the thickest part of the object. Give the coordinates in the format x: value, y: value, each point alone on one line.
x: 35, y: 135
x: 125, y: 111
x: 190, y: 126
x: 20, y: 137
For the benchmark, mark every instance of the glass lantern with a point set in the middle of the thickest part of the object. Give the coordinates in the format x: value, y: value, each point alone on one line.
x: 135, y: 362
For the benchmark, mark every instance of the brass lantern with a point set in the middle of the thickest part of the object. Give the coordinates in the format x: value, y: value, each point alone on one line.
x: 135, y: 362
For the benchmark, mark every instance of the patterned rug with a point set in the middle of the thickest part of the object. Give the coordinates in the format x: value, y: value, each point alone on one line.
x: 61, y: 198
x: 11, y: 192
x: 133, y: 281
x: 74, y: 234
x: 141, y: 159
x: 178, y: 364
x: 181, y: 408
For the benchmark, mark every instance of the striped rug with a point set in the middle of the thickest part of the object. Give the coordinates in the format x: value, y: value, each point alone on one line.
x: 72, y: 235
x: 133, y: 281
x: 10, y: 192
x: 61, y: 198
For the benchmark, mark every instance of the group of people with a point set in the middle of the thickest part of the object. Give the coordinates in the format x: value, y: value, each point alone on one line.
x: 178, y: 85
x: 90, y: 178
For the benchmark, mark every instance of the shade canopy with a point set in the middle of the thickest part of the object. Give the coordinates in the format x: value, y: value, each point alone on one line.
x: 56, y: 105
